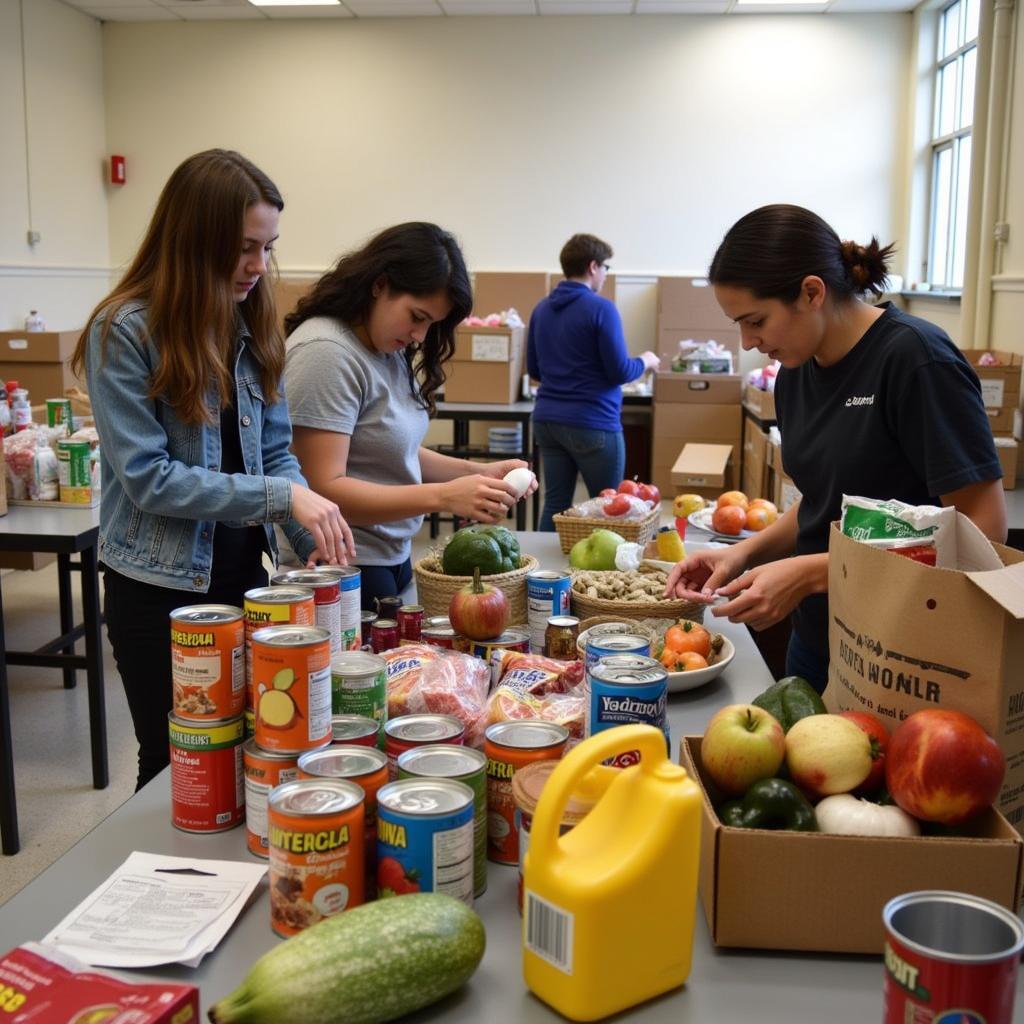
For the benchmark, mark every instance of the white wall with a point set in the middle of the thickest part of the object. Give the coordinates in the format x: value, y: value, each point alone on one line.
x: 62, y: 180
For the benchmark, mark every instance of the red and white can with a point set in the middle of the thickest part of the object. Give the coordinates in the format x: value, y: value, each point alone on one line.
x: 410, y: 622
x: 336, y: 594
x: 950, y: 957
x: 264, y: 769
x: 409, y: 731
x: 207, y: 784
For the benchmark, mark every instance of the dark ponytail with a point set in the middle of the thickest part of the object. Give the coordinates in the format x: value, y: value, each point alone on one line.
x: 771, y: 250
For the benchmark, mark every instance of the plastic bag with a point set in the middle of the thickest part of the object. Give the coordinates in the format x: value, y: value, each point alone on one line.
x: 32, y: 469
x: 594, y: 508
x: 895, y: 524
x: 532, y: 687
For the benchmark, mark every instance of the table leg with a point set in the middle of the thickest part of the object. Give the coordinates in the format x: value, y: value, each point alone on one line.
x: 8, y: 805
x: 67, y: 623
x: 94, y: 667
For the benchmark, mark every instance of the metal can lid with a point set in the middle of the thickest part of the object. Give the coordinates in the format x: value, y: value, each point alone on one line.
x: 547, y: 574
x: 343, y: 761
x: 368, y: 617
x: 424, y: 728
x: 411, y: 609
x: 510, y: 636
x: 564, y: 621
x: 353, y: 664
x: 253, y: 749
x: 307, y: 797
x: 628, y: 669
x: 386, y: 624
x: 442, y: 761
x: 425, y: 797
x: 278, y: 595
x: 206, y: 614
x: 307, y: 578
x: 352, y: 727
x: 624, y: 642
x: 438, y: 622
x: 611, y: 628
x: 290, y: 635
x: 438, y: 631
x: 526, y: 735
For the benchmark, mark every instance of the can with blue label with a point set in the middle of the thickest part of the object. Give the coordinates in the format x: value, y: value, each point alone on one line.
x: 608, y: 644
x: 626, y: 689
x: 547, y: 594
x: 425, y: 838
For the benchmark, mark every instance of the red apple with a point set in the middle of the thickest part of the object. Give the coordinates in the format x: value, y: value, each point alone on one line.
x: 827, y: 754
x: 942, y: 766
x: 648, y: 492
x: 608, y: 492
x: 479, y: 610
x: 879, y: 737
x: 742, y: 744
x: 629, y: 487
x: 617, y: 506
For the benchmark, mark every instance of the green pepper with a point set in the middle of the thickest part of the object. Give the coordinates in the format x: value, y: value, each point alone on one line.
x: 789, y: 700
x: 770, y: 803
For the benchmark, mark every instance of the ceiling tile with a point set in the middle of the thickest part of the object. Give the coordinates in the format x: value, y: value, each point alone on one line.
x: 105, y: 12
x: 196, y: 12
x: 585, y: 6
x: 110, y: 3
x: 307, y: 11
x: 871, y: 6
x: 682, y: 6
x: 462, y: 7
x: 203, y: 5
x: 394, y: 8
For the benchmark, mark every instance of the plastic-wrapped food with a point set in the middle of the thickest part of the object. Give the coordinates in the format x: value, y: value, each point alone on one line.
x: 507, y: 704
x: 533, y: 673
x: 32, y: 470
x: 593, y: 508
x: 926, y: 533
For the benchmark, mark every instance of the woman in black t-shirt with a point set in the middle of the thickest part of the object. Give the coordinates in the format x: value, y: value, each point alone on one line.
x: 870, y: 401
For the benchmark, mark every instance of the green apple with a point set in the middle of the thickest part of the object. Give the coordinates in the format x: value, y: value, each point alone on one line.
x: 742, y: 744
x: 596, y: 551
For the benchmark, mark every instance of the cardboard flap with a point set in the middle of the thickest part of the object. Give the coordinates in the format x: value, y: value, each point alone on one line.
x: 974, y: 551
x: 703, y: 459
x: 1005, y: 586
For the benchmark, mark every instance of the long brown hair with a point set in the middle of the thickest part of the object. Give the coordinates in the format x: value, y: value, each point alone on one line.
x: 416, y: 258
x: 183, y: 273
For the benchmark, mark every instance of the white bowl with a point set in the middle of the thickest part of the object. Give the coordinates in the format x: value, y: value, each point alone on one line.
x: 678, y: 682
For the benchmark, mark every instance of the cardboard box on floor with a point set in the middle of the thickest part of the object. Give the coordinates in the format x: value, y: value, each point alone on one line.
x: 905, y: 636
x: 678, y: 424
x: 1008, y: 451
x: 38, y: 361
x: 487, y: 365
x: 765, y: 889
x: 1000, y: 385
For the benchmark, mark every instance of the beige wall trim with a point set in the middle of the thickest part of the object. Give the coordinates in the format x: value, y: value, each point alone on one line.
x: 1008, y: 283
x: 43, y: 270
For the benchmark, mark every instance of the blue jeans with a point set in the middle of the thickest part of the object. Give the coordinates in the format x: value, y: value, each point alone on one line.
x: 565, y: 450
x: 802, y: 660
x: 382, y: 581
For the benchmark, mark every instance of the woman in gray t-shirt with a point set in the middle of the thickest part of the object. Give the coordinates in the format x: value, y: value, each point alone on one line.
x: 365, y: 357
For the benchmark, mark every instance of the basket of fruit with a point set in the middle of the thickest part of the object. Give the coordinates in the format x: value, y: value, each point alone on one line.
x: 629, y: 595
x: 634, y: 516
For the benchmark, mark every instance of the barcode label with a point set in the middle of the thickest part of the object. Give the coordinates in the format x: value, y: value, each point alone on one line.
x: 549, y: 932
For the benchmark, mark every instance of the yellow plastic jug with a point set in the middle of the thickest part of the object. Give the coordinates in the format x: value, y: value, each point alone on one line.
x: 608, y: 907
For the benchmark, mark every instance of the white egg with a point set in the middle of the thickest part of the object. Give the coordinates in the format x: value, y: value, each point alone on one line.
x: 520, y: 480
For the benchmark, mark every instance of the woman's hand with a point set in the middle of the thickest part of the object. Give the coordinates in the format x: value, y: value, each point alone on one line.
x: 697, y: 577
x: 323, y: 519
x: 481, y: 497
x: 498, y: 470
x: 767, y: 593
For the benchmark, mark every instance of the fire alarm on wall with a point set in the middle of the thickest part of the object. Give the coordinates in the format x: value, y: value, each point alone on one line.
x: 117, y: 170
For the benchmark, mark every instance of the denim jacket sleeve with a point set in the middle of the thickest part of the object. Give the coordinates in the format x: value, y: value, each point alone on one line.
x: 154, y: 467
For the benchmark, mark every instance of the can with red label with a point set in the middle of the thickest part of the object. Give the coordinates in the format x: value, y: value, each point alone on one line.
x: 410, y: 622
x: 950, y: 958
x: 207, y: 790
x: 384, y: 635
x: 264, y: 769
x: 336, y: 594
x: 358, y: 729
x: 409, y: 731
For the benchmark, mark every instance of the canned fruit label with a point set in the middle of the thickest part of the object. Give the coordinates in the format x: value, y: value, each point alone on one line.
x: 207, y: 791
x: 274, y: 606
x: 207, y: 666
x: 292, y: 691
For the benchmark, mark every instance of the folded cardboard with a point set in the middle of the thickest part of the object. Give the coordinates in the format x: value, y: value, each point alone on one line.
x: 701, y: 465
x: 697, y: 388
x: 1008, y: 450
x: 487, y: 365
x: 39, y: 361
x: 766, y: 889
x: 905, y: 636
x: 760, y: 403
x: 521, y: 291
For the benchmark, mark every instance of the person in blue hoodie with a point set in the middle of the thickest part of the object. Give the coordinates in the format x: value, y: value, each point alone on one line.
x: 576, y: 349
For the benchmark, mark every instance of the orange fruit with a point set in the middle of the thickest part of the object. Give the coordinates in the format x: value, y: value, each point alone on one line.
x: 733, y: 498
x: 688, y: 636
x: 730, y: 519
x: 763, y: 503
x: 760, y: 517
x: 691, y: 660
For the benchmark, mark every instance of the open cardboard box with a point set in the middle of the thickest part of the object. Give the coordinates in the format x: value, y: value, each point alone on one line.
x: 763, y: 889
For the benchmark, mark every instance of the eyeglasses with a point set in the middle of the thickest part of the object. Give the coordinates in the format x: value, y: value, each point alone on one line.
x: 606, y: 267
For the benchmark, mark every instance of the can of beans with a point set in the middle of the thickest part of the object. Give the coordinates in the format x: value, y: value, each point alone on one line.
x: 359, y: 685
x: 366, y: 621
x: 604, y: 645
x: 547, y: 594
x: 402, y: 734
x: 368, y: 768
x: 384, y: 635
x: 465, y: 765
x: 208, y: 661
x: 316, y: 852
x: 626, y: 689
x: 410, y: 622
x: 336, y: 597
x: 207, y: 790
x: 74, y: 472
x: 357, y: 729
x: 951, y: 958
x: 291, y: 672
x: 425, y: 838
x: 491, y: 651
x: 508, y: 747
x: 264, y: 769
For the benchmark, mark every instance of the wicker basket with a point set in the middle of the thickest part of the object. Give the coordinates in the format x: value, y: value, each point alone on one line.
x: 434, y: 589
x: 573, y: 528
x: 655, y: 612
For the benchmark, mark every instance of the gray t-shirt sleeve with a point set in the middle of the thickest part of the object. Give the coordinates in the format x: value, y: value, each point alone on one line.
x: 326, y: 386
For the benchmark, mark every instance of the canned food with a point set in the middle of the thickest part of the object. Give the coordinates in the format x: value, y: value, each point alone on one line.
x: 366, y: 621
x: 264, y: 769
x: 336, y: 600
x: 439, y: 636
x: 626, y: 689
x: 491, y: 651
x: 384, y: 635
x: 509, y: 746
x: 358, y: 729
x: 468, y: 766
x: 316, y: 852
x: 607, y: 644
x: 410, y: 622
x: 387, y: 607
x: 425, y: 838
x: 402, y: 734
x: 291, y: 672
x: 547, y: 594
x: 208, y: 661
x: 58, y: 413
x: 359, y: 685
x: 207, y: 793
x: 560, y: 637
x: 74, y: 471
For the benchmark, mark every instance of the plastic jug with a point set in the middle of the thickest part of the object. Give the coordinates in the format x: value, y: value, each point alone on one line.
x: 609, y: 906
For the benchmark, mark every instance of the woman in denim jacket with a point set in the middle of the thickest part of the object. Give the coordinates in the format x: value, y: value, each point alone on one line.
x: 184, y: 362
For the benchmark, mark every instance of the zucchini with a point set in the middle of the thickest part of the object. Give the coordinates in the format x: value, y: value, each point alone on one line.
x: 370, y: 964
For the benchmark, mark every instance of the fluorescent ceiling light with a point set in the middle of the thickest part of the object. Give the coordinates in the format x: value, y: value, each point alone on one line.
x: 295, y: 3
x: 768, y: 3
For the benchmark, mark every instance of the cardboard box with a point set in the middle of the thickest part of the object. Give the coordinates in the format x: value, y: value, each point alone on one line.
x: 786, y: 493
x: 493, y: 292
x: 703, y: 466
x: 905, y: 636
x: 703, y: 388
x: 487, y: 365
x: 287, y: 295
x: 682, y: 421
x: 760, y: 403
x: 1000, y: 386
x: 690, y: 302
x: 39, y: 362
x: 764, y: 889
x: 28, y: 561
x: 1008, y: 450
x: 669, y: 338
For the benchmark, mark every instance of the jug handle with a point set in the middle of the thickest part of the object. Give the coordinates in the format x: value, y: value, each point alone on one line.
x: 567, y: 776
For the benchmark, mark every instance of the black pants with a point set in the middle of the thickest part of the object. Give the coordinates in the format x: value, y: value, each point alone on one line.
x: 382, y: 581
x: 138, y: 625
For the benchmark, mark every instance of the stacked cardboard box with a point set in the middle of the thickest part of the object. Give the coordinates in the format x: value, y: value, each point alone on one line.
x: 760, y: 404
x: 1000, y: 391
x: 38, y: 361
x: 521, y: 291
x: 487, y: 365
x: 755, y: 460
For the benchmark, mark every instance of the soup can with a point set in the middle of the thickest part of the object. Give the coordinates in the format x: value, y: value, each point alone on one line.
x: 603, y: 645
x: 74, y: 471
x: 410, y: 622
x: 560, y: 637
x: 366, y: 621
x: 950, y: 958
x: 509, y: 746
x: 291, y: 670
x: 208, y: 661
x: 547, y: 594
x: 207, y: 789
x: 467, y: 765
x: 336, y: 598
x: 402, y: 734
x: 384, y: 635
x: 58, y: 413
x: 357, y: 729
x: 316, y: 851
x: 491, y: 651
x: 425, y: 838
x: 264, y: 769
x: 626, y: 689
x: 359, y: 685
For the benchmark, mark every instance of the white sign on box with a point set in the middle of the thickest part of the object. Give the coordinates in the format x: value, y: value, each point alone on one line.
x: 992, y: 393
x: 490, y: 348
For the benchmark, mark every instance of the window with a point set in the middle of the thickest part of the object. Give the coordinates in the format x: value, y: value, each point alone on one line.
x: 955, y: 69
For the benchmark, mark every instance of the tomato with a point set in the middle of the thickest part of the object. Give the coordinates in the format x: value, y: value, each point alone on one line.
x: 617, y: 506
x: 608, y: 492
x: 759, y: 518
x: 733, y: 498
x: 763, y: 503
x: 729, y: 519
x: 683, y: 661
x: 688, y: 636
x: 629, y: 487
x: 648, y: 492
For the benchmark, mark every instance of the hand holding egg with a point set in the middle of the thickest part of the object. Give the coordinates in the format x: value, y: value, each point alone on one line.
x: 520, y: 480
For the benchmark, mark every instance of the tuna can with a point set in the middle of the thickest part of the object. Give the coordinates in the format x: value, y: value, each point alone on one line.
x: 368, y: 768
x: 491, y: 651
x: 547, y: 594
x: 357, y: 729
x: 410, y: 622
x: 208, y: 661
x: 602, y: 629
x: 951, y: 958
x: 291, y: 675
x: 74, y: 472
x: 359, y: 685
x: 607, y: 644
x: 509, y: 746
x: 466, y: 765
x: 264, y: 769
x: 366, y: 621
x: 626, y: 689
x: 336, y: 596
x: 207, y: 791
x: 402, y: 734
x: 425, y: 838
x: 316, y: 852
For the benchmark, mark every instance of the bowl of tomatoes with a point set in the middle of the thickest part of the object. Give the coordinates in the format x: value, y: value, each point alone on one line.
x: 693, y: 655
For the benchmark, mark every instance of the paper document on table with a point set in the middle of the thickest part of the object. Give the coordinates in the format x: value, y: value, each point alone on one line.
x: 157, y: 910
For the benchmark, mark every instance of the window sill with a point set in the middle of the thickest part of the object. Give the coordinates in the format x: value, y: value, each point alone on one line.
x: 938, y: 294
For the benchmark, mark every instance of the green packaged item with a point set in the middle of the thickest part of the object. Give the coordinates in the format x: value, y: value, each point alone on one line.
x: 772, y: 804
x: 789, y: 700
